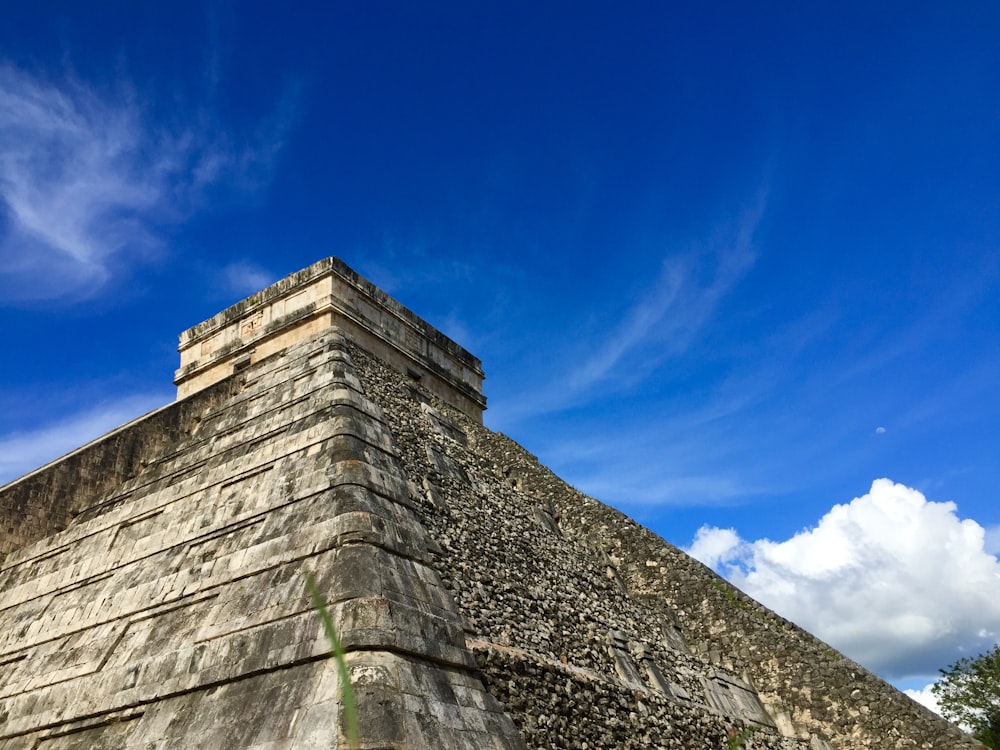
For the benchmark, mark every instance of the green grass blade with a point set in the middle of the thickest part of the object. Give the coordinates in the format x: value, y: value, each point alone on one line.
x: 350, y: 704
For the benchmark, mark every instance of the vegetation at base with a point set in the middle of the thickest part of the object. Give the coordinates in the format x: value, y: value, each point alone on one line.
x: 969, y: 694
x: 347, y: 692
x: 740, y: 739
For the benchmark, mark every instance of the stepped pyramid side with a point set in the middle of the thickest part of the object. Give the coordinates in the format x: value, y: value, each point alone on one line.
x: 151, y: 589
x: 171, y: 612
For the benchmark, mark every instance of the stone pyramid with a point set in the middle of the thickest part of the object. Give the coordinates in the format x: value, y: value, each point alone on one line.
x: 152, y: 595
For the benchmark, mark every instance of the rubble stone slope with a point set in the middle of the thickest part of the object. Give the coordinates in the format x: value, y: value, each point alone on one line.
x: 594, y: 632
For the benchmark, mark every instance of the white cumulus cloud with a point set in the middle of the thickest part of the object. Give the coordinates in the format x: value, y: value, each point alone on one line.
x: 898, y: 582
x: 715, y: 546
x: 925, y: 697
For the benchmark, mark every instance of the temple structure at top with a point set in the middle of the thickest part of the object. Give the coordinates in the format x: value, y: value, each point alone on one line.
x: 329, y: 294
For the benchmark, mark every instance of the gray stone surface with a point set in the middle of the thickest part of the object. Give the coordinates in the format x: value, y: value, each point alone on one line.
x: 171, y: 611
x: 152, y: 595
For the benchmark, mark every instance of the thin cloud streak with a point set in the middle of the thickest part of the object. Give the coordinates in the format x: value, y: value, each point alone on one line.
x: 637, y: 469
x: 660, y: 324
x: 21, y: 452
x: 678, y: 306
x: 245, y: 278
x: 639, y: 323
x: 85, y: 184
x: 661, y: 489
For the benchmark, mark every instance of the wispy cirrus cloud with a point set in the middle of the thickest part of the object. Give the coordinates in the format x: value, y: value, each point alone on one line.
x: 659, y: 324
x: 244, y: 278
x: 671, y: 313
x: 87, y: 185
x: 25, y: 450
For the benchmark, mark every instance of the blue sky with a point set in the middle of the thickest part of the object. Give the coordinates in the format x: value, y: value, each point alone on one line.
x: 726, y: 265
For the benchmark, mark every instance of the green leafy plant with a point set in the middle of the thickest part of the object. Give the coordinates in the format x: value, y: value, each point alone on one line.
x: 739, y: 740
x: 969, y: 695
x: 347, y: 692
x: 730, y: 593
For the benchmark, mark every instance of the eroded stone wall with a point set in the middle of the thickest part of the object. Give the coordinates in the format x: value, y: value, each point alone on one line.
x: 173, y: 614
x: 47, y: 500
